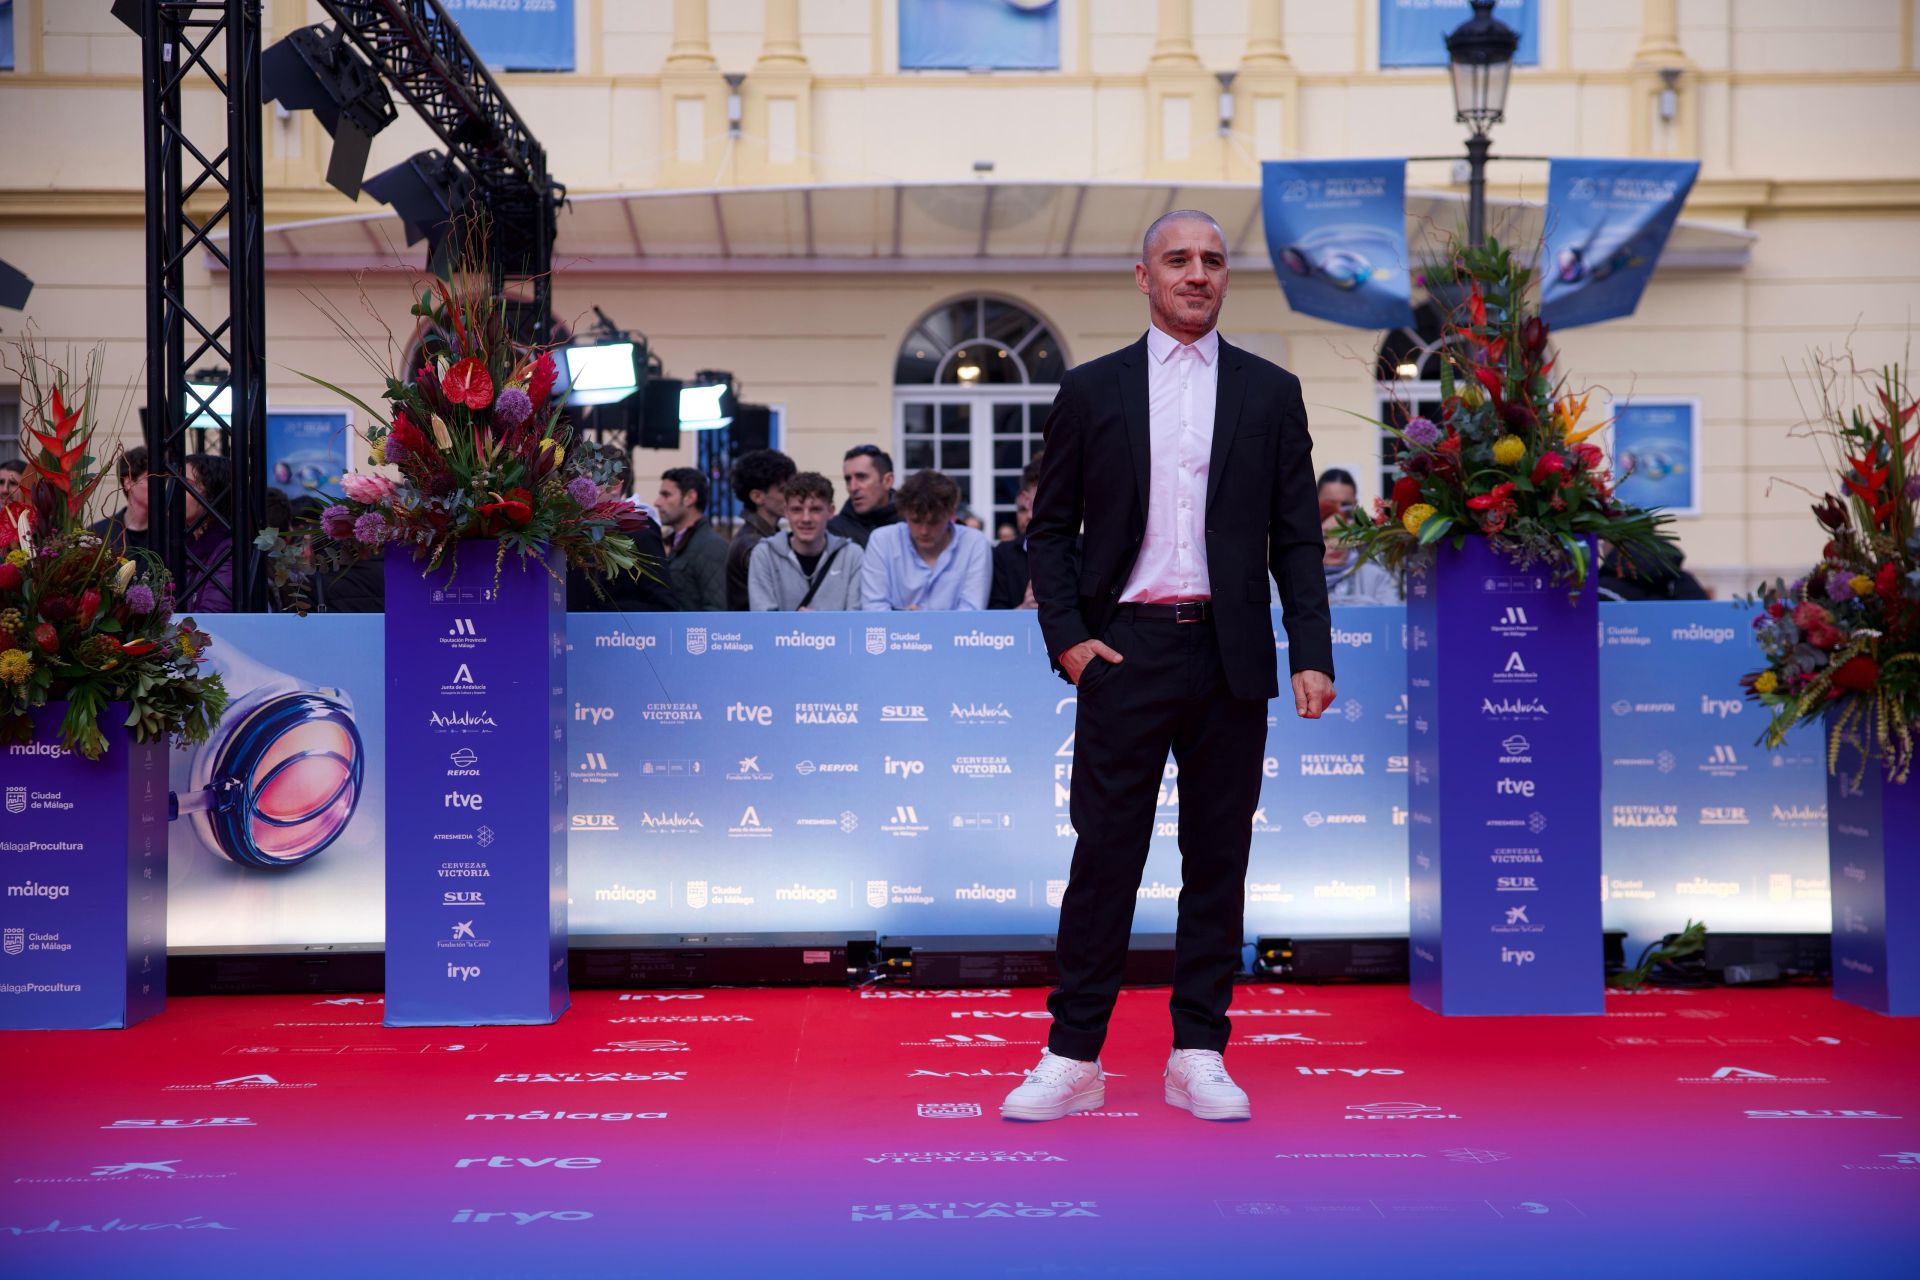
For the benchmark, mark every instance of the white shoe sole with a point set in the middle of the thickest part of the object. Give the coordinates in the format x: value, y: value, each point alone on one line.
x: 1086, y: 1100
x: 1178, y: 1097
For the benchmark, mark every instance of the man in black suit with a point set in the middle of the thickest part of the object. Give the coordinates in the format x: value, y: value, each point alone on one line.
x: 1189, y: 462
x: 1011, y: 586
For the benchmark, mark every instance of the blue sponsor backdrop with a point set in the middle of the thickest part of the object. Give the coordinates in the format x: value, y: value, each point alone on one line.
x: 1413, y: 33
x: 1607, y: 223
x: 517, y: 35
x: 1503, y: 686
x: 476, y: 683
x: 1337, y: 234
x: 738, y: 780
x: 83, y: 859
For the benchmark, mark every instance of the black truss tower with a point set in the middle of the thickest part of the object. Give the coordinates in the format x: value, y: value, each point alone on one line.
x: 200, y: 185
x: 423, y: 56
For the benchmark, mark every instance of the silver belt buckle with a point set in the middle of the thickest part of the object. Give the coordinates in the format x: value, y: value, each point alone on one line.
x: 1189, y: 611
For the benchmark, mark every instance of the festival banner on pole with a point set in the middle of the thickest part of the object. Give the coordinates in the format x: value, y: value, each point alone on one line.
x: 1413, y: 33
x: 1607, y: 223
x: 1337, y: 234
x: 518, y: 35
x: 476, y: 846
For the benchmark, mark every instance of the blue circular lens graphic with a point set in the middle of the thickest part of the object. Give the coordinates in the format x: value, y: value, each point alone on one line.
x: 285, y: 780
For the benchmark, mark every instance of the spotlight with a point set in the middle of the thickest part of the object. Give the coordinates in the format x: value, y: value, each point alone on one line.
x: 707, y: 403
x: 316, y: 70
x: 604, y: 372
x: 426, y: 189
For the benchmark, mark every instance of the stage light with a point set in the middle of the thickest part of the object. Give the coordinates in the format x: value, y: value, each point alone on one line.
x: 707, y: 403
x: 426, y: 189
x: 602, y: 373
x: 316, y: 70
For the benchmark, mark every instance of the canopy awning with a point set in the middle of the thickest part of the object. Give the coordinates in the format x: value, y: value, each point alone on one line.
x: 920, y: 227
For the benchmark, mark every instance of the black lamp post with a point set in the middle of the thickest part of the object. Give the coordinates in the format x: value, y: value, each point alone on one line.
x: 1480, y: 52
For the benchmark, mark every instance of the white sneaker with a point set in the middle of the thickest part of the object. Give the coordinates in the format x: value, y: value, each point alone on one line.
x: 1057, y: 1087
x: 1197, y: 1081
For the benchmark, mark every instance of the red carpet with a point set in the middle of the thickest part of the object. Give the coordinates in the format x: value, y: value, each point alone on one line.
x: 793, y: 1133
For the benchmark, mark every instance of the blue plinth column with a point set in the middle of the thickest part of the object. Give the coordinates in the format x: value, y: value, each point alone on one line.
x: 476, y: 792
x: 1875, y: 878
x: 1503, y: 840
x: 83, y: 847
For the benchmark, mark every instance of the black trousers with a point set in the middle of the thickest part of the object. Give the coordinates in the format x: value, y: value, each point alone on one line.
x: 1169, y: 694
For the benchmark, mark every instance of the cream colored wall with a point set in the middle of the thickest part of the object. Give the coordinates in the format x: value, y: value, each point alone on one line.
x: 1800, y: 113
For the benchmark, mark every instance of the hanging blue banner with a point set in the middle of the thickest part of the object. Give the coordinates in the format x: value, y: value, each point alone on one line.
x: 1337, y: 233
x: 1607, y: 223
x: 959, y: 35
x: 1413, y: 33
x: 517, y: 35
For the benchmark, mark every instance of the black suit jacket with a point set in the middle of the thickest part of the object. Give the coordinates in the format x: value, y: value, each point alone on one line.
x: 1262, y: 512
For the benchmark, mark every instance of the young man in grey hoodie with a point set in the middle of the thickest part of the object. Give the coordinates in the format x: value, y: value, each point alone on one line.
x: 806, y: 568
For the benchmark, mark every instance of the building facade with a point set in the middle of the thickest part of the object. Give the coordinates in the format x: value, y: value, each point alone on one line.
x: 849, y: 238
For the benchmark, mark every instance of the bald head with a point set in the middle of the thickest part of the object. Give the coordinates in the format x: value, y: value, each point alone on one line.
x: 1166, y: 220
x: 1183, y: 272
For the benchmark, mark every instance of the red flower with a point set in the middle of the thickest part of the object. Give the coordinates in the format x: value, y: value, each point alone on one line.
x: 515, y: 506
x: 11, y: 578
x: 1886, y: 583
x: 1550, y: 464
x: 1495, y: 388
x: 468, y: 383
x: 56, y: 608
x: 1776, y: 609
x: 1857, y: 674
x: 138, y: 648
x: 8, y: 533
x: 541, y: 380
x: 47, y: 638
x: 409, y: 436
x: 89, y: 606
x: 1500, y: 495
x: 1406, y: 492
x: 1533, y: 334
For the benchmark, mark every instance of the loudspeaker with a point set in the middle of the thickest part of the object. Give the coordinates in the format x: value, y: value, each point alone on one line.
x: 752, y: 428
x: 660, y: 413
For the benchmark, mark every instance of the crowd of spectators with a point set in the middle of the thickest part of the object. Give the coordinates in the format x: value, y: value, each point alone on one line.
x: 910, y: 547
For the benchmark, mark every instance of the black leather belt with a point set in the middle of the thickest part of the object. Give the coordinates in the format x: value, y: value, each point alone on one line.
x: 1176, y: 611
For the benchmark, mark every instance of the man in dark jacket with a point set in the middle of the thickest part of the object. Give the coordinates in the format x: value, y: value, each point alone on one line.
x: 126, y: 529
x: 758, y: 480
x: 1011, y: 587
x: 868, y: 471
x: 696, y: 554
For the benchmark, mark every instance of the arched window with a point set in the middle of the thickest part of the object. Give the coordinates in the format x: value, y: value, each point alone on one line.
x: 972, y: 383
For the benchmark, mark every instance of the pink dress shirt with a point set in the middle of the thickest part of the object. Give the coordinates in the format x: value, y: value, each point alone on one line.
x: 1181, y: 383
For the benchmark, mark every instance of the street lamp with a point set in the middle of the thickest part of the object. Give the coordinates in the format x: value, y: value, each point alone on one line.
x: 1480, y: 52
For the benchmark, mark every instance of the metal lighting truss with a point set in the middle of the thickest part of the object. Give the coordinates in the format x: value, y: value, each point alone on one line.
x: 203, y: 180
x: 423, y: 56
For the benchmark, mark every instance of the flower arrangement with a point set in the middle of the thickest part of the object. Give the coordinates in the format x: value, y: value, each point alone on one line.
x: 1847, y: 635
x: 80, y: 622
x: 473, y: 445
x: 1510, y: 459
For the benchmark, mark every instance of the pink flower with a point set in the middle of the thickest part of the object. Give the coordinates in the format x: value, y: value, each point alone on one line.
x: 364, y: 488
